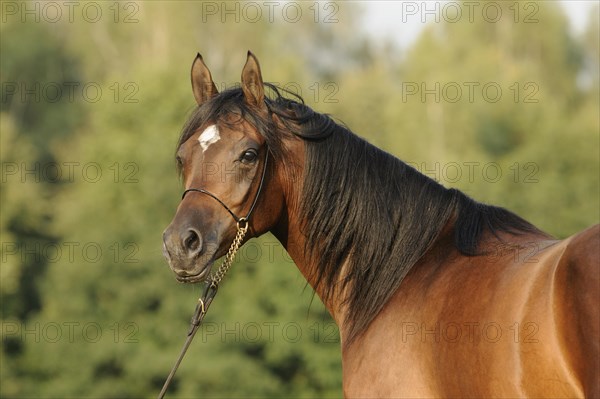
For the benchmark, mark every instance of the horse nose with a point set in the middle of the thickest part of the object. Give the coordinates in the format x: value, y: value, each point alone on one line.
x: 186, y: 242
x: 192, y: 242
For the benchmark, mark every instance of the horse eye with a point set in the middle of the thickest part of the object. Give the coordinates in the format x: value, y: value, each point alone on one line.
x: 249, y: 156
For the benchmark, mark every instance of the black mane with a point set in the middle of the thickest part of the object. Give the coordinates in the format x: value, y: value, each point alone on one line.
x: 361, y: 205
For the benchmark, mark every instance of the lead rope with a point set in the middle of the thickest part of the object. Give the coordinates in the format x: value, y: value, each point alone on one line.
x: 206, y: 299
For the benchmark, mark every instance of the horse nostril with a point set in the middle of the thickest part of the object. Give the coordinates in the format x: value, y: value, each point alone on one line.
x: 192, y: 242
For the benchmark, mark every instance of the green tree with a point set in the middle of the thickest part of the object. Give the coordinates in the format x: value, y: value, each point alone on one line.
x: 37, y: 115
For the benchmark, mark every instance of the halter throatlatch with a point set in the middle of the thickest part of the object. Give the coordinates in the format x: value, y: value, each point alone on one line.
x: 212, y: 283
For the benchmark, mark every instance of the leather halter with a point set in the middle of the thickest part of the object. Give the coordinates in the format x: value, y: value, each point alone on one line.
x: 235, y: 217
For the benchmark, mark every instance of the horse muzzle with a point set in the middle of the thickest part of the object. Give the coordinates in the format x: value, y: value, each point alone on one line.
x: 188, y: 253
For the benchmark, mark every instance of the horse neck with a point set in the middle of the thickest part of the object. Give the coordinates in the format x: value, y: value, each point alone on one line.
x: 455, y: 226
x: 288, y: 228
x: 291, y: 237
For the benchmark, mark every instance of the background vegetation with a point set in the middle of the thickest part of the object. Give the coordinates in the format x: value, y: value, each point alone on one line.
x: 92, y: 105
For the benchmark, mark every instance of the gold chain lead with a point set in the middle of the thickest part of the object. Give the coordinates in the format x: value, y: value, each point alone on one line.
x: 242, y: 228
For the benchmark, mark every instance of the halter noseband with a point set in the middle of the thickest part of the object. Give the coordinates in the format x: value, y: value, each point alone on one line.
x: 244, y: 219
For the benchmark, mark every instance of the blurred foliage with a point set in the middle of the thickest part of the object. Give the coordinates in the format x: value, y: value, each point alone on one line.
x: 89, y: 306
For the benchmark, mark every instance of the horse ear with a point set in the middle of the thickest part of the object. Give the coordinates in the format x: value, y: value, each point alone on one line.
x: 202, y: 84
x: 252, y: 83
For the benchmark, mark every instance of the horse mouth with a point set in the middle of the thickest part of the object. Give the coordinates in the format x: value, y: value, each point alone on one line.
x: 184, y: 277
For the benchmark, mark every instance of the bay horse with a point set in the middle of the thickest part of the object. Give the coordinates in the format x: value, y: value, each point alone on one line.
x: 435, y: 294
